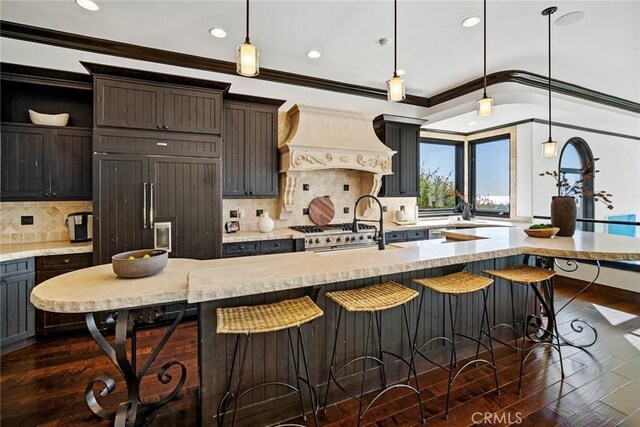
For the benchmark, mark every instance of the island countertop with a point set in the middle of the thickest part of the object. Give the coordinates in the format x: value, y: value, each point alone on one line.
x: 97, y: 288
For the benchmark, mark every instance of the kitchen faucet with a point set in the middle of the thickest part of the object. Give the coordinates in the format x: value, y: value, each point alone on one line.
x: 381, y: 239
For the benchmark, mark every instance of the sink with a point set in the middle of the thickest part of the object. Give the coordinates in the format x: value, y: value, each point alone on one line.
x: 368, y: 249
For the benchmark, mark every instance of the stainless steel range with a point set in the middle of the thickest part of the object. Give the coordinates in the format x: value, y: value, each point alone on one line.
x: 337, y: 236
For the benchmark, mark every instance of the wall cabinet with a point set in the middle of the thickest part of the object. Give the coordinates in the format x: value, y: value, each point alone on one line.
x: 250, y: 150
x: 45, y: 163
x: 133, y: 192
x: 48, y: 267
x: 17, y: 314
x: 402, y: 135
x: 131, y: 104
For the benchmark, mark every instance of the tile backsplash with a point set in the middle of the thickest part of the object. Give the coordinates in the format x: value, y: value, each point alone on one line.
x: 342, y: 186
x: 48, y: 220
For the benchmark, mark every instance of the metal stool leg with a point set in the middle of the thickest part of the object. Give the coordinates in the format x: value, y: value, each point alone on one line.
x: 493, y: 356
x: 525, y: 330
x: 383, y: 375
x: 222, y: 406
x: 364, y: 366
x: 454, y: 314
x: 513, y: 317
x: 482, y: 332
x: 412, y: 362
x: 296, y: 361
x: 552, y: 308
x: 244, y: 357
x: 333, y: 360
x: 312, y: 391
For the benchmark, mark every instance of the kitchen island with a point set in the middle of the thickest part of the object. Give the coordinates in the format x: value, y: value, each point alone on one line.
x: 256, y: 280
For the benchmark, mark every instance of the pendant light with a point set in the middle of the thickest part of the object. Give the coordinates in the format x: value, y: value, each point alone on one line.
x: 395, y: 85
x: 484, y: 106
x: 248, y: 56
x: 549, y: 147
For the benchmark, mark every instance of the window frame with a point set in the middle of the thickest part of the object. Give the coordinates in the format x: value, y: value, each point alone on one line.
x: 458, y: 173
x: 472, y: 175
x: 586, y: 155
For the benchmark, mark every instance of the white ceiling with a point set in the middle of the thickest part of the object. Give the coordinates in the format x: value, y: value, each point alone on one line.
x: 601, y: 52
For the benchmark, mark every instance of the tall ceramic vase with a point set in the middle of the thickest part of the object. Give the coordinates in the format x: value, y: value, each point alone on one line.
x: 265, y: 224
x: 563, y: 215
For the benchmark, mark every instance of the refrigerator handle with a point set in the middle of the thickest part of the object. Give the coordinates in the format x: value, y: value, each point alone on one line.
x: 151, y: 219
x: 144, y: 205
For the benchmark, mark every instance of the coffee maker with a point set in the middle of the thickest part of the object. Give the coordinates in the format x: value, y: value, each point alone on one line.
x: 80, y: 226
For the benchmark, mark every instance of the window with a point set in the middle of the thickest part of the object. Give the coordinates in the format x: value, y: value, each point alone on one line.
x: 441, y: 173
x: 573, y: 158
x: 489, y: 176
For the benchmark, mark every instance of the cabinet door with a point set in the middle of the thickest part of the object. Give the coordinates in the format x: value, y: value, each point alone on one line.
x: 24, y: 169
x: 50, y: 323
x: 409, y: 159
x: 392, y: 139
x: 70, y: 162
x: 17, y: 314
x: 186, y: 193
x: 236, y: 117
x: 261, y: 167
x: 128, y: 104
x: 119, y: 208
x: 192, y: 110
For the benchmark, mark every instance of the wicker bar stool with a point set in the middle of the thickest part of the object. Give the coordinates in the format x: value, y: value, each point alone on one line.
x: 259, y: 319
x: 532, y: 277
x: 452, y: 286
x: 373, y: 300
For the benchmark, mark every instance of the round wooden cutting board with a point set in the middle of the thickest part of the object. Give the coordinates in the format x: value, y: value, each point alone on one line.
x: 321, y: 210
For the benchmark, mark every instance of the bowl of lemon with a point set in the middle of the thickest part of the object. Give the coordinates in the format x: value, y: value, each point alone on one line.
x: 142, y: 263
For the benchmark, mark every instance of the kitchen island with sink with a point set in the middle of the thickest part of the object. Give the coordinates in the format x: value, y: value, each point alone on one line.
x: 270, y: 278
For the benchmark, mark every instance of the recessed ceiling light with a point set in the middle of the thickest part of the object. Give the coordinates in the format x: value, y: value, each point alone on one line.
x: 471, y: 21
x: 400, y: 72
x: 472, y: 123
x: 218, y: 32
x: 87, y: 4
x: 314, y: 54
x: 570, y: 18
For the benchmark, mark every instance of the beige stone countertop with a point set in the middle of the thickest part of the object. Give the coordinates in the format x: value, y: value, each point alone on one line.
x: 97, y: 288
x: 449, y: 223
x: 254, y: 235
x: 11, y: 251
x: 220, y: 279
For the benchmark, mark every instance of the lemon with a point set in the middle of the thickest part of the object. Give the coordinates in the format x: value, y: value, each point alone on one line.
x: 131, y: 258
x: 146, y: 256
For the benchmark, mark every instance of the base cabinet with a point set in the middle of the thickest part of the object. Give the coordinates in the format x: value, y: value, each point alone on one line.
x: 264, y: 247
x: 17, y: 314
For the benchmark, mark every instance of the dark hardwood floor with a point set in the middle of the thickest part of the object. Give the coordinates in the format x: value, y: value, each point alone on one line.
x: 44, y: 384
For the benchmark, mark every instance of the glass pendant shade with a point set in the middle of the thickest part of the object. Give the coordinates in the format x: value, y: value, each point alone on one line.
x: 248, y: 60
x: 484, y: 106
x: 549, y: 148
x: 395, y: 89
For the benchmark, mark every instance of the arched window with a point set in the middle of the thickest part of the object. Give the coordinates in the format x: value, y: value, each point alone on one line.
x: 573, y: 158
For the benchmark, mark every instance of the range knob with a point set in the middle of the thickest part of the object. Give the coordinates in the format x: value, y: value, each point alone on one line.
x: 353, y: 238
x: 361, y: 237
x: 317, y: 240
x: 369, y: 237
x: 328, y: 239
x: 310, y: 241
x: 339, y: 239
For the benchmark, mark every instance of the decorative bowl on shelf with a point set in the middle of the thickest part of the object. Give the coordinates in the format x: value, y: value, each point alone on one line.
x: 142, y: 263
x: 542, y: 232
x: 48, y: 119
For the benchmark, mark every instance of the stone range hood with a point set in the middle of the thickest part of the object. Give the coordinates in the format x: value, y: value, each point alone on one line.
x: 324, y: 139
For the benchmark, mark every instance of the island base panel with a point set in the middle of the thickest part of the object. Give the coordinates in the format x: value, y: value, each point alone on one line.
x: 268, y: 357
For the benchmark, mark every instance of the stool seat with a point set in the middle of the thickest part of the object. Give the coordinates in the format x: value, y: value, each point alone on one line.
x: 456, y: 283
x: 522, y: 274
x: 263, y: 318
x: 373, y: 298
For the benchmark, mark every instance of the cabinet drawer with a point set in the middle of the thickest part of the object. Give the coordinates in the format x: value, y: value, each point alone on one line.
x: 18, y: 266
x: 417, y: 235
x: 276, y: 246
x: 166, y: 143
x: 396, y: 236
x: 64, y: 262
x: 240, y: 249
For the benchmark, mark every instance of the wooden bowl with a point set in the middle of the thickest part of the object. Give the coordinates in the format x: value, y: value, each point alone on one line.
x: 139, y: 267
x: 542, y: 232
x: 48, y: 119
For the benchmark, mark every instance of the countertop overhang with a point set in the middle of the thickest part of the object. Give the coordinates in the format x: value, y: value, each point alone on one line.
x: 97, y: 288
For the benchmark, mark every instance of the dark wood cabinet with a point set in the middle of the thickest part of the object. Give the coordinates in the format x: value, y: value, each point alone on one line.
x: 45, y: 163
x: 250, y: 150
x: 407, y: 235
x: 48, y: 267
x: 133, y: 192
x: 125, y: 103
x: 401, y: 134
x: 160, y: 143
x: 264, y: 247
x: 17, y: 314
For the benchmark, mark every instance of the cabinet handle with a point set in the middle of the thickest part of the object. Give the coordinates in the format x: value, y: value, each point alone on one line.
x: 53, y: 194
x: 144, y: 204
x: 66, y: 261
x: 250, y: 192
x: 159, y: 126
x: 241, y: 248
x: 151, y: 219
x: 46, y: 194
x: 165, y: 127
